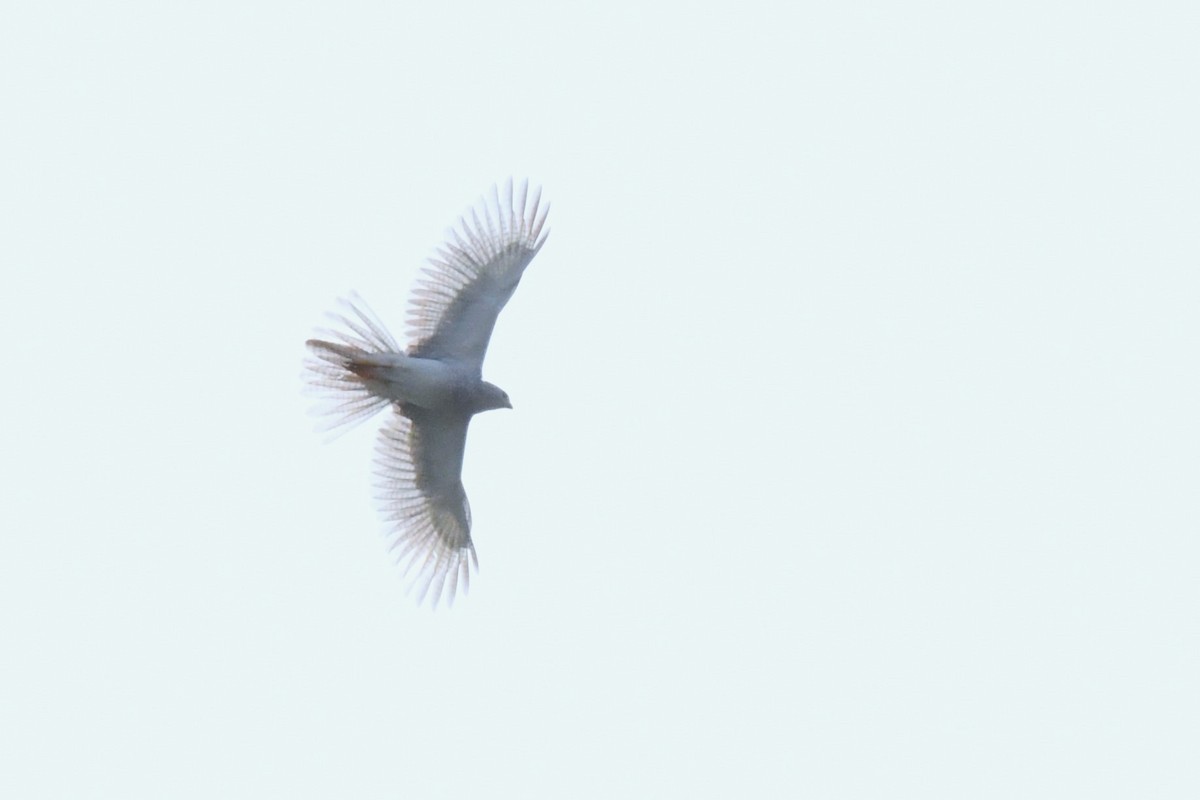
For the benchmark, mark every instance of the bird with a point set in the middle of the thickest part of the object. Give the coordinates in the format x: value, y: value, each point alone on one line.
x: 432, y: 388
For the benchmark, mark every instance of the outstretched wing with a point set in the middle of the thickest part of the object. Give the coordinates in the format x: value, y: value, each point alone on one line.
x: 459, y: 295
x: 418, y: 461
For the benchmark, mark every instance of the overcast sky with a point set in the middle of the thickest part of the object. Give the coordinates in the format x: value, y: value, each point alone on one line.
x: 854, y: 450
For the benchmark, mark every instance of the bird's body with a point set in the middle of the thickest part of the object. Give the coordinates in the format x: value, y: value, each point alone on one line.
x: 408, y: 380
x: 434, y: 387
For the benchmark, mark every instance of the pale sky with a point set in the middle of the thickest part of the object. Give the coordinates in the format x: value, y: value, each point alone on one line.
x: 854, y: 450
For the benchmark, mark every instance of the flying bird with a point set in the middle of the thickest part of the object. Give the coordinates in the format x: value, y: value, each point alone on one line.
x: 433, y: 388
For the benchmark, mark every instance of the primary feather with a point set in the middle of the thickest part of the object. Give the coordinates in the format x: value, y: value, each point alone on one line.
x: 460, y: 294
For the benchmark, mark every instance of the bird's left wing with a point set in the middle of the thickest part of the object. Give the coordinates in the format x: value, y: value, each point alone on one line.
x: 459, y: 295
x: 418, y: 461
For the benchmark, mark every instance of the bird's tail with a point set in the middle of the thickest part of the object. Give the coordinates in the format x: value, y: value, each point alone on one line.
x: 339, y: 368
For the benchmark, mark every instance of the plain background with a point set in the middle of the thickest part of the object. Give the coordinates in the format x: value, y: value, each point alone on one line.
x: 855, y: 443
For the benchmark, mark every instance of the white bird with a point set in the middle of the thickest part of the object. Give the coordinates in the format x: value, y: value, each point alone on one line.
x: 434, y: 387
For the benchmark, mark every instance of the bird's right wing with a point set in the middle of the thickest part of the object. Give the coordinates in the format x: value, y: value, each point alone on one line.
x: 459, y: 295
x: 418, y: 461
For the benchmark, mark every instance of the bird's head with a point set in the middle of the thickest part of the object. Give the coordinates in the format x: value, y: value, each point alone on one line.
x: 492, y: 396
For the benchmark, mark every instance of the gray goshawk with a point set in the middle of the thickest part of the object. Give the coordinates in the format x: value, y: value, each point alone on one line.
x: 434, y: 387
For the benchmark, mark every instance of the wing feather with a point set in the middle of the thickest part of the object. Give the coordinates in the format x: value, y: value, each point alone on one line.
x: 472, y: 276
x: 418, y: 460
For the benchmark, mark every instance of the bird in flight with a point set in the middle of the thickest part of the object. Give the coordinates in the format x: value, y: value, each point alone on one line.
x: 432, y: 388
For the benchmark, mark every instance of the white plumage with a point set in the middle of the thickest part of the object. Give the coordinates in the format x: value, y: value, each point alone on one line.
x: 434, y: 387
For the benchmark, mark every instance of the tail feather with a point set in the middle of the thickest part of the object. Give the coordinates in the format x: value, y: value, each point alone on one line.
x: 337, y: 373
